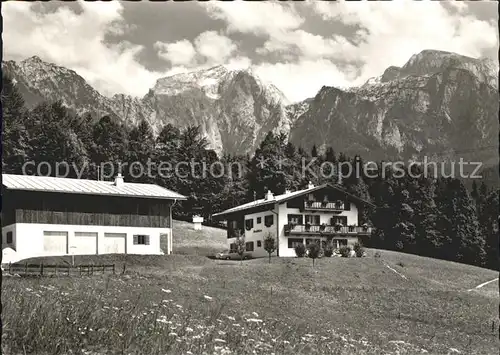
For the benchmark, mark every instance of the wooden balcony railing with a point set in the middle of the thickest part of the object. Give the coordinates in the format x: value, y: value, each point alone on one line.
x: 326, y: 229
x: 330, y: 206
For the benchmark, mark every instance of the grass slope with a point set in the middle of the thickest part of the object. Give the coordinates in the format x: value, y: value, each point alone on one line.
x: 188, y: 241
x: 182, y: 304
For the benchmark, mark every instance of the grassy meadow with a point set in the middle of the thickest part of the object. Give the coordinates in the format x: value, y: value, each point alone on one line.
x: 189, y: 304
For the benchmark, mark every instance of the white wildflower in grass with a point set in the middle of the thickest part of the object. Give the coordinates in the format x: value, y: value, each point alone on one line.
x: 166, y: 291
x: 230, y: 318
x: 172, y: 334
x: 197, y: 337
x: 120, y: 334
x: 236, y: 325
x: 286, y: 342
x: 221, y: 332
x: 189, y: 330
x: 178, y: 306
x: 254, y: 320
x: 255, y: 314
x: 207, y: 297
x: 217, y: 340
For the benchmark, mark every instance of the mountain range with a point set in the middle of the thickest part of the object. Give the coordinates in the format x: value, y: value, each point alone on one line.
x: 439, y: 104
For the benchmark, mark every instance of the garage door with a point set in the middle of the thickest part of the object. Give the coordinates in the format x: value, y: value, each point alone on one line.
x: 114, y: 243
x: 84, y: 243
x: 55, y: 243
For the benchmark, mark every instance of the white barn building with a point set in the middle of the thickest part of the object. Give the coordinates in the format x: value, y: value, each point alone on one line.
x: 316, y: 214
x: 48, y: 216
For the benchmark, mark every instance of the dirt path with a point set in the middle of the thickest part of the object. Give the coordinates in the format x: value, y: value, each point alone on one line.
x: 397, y: 272
x: 483, y: 284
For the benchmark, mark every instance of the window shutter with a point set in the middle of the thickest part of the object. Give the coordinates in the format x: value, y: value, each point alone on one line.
x: 136, y: 239
x: 147, y: 239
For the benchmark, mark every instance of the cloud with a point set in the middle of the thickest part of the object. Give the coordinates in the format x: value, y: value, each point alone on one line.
x: 209, y: 48
x: 391, y: 32
x: 178, y: 53
x: 77, y: 41
x: 257, y: 18
x: 307, y: 45
x: 303, y: 79
x: 215, y: 47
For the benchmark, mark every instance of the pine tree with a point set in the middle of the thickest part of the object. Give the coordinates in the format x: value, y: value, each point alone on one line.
x: 489, y: 221
x: 14, y: 137
x: 141, y: 153
x: 314, y: 151
x: 110, y: 146
x: 459, y: 221
x: 53, y: 141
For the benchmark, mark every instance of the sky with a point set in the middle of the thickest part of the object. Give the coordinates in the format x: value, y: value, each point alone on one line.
x: 124, y: 47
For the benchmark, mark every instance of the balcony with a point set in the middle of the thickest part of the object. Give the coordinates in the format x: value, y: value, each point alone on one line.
x: 326, y: 230
x: 324, y: 206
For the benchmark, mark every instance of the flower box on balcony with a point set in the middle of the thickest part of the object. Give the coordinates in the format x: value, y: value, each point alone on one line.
x: 308, y: 226
x: 351, y: 228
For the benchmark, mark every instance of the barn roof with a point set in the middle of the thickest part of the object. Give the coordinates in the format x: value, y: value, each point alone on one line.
x: 288, y: 196
x: 86, y: 187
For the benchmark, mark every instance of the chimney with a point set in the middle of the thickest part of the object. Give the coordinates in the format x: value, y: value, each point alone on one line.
x: 119, y: 180
x: 269, y: 195
x: 311, y: 185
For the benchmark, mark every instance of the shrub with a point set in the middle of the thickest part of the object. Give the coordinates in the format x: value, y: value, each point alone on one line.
x: 358, y: 249
x: 300, y: 250
x: 328, y: 251
x: 377, y: 254
x: 269, y: 245
x: 344, y: 251
x: 314, y: 251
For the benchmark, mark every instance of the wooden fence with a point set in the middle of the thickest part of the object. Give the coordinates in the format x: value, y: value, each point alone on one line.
x: 59, y: 270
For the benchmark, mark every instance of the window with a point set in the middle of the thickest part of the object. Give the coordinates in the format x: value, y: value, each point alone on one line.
x: 141, y: 239
x: 268, y: 220
x: 259, y: 244
x: 339, y: 205
x: 295, y: 218
x: 313, y: 220
x: 248, y: 224
x: 259, y: 220
x: 340, y: 242
x: 313, y: 240
x: 9, y: 238
x: 249, y: 246
x: 347, y: 205
x: 293, y: 242
x: 233, y: 248
x: 339, y: 219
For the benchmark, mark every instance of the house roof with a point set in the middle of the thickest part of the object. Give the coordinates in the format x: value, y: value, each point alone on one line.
x: 286, y: 197
x: 88, y: 187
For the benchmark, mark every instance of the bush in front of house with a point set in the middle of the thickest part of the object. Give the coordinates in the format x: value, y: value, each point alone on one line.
x: 328, y: 250
x: 314, y: 250
x: 300, y: 250
x: 344, y: 251
x: 359, y: 250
